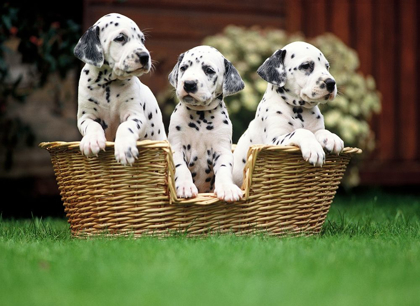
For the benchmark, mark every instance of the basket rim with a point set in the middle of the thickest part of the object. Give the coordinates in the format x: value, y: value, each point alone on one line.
x: 165, y: 144
x: 202, y: 198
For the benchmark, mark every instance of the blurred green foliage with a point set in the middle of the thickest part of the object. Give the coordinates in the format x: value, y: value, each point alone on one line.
x: 42, y: 44
x: 348, y: 115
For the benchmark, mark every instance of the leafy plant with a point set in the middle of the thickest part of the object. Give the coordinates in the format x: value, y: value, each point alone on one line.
x: 44, y: 47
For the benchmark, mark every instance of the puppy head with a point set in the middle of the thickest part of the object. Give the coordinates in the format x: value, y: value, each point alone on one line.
x: 202, y: 75
x: 116, y: 41
x: 303, y: 70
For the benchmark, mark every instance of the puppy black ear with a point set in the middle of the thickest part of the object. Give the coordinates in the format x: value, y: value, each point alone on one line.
x: 173, y: 76
x: 232, y: 81
x: 273, y: 70
x: 89, y: 48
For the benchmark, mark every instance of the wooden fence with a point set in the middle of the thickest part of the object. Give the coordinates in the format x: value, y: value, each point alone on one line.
x: 384, y: 33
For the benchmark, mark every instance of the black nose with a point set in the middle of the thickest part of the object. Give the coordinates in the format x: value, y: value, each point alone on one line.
x: 143, y: 57
x: 330, y: 84
x: 190, y: 86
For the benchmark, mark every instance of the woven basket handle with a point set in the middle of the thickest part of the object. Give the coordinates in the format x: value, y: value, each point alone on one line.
x: 254, y: 150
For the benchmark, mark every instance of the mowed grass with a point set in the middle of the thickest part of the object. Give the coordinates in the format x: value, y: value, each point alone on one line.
x: 367, y: 254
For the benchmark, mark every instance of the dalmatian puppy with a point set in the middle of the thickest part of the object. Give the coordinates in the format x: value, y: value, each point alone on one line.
x: 113, y: 104
x: 200, y: 131
x: 288, y: 114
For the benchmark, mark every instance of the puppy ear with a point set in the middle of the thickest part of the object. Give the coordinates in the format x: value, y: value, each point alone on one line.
x: 232, y: 81
x: 89, y: 48
x: 273, y: 70
x: 173, y: 76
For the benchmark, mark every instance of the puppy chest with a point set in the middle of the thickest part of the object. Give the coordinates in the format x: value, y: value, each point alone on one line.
x: 190, y: 124
x: 289, y: 118
x: 201, y: 163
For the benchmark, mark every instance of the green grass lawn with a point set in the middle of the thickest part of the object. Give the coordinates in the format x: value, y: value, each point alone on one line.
x: 367, y: 254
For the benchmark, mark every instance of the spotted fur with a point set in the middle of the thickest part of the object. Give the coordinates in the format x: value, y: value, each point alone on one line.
x: 113, y: 105
x: 288, y: 113
x: 200, y: 131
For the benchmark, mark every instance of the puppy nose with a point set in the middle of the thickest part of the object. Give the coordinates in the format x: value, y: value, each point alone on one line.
x: 190, y: 86
x: 143, y: 57
x: 330, y: 84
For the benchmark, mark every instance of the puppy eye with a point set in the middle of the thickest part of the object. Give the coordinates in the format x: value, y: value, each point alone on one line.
x: 209, y: 70
x: 327, y: 66
x: 304, y: 66
x: 183, y: 68
x: 120, y: 38
x: 143, y: 40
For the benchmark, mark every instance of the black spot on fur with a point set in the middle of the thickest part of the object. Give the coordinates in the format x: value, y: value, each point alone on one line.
x: 93, y: 101
x: 102, y: 123
x: 201, y: 114
x: 108, y: 94
x: 192, y: 125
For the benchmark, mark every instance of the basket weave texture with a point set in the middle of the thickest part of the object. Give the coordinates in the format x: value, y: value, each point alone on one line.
x: 283, y: 194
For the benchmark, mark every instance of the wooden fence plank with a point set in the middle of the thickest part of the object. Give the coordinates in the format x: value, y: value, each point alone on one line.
x: 270, y: 7
x: 385, y: 74
x: 362, y: 36
x: 340, y: 19
x: 293, y: 16
x: 315, y: 17
x: 407, y: 106
x: 169, y: 24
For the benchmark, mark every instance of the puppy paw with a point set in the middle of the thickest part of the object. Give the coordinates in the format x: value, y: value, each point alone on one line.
x: 186, y: 190
x: 228, y: 192
x: 92, y: 143
x: 126, y: 150
x: 313, y: 153
x: 330, y: 141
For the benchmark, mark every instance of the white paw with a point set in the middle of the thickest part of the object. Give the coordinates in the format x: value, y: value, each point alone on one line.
x: 186, y: 190
x: 228, y: 192
x: 313, y: 152
x: 330, y: 142
x: 126, y: 150
x: 92, y: 143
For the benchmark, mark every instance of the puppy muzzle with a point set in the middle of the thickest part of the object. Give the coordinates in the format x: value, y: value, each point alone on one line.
x: 135, y: 63
x: 319, y: 92
x: 189, y: 93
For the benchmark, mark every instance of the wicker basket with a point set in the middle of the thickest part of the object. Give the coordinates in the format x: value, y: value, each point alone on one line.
x: 283, y: 194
